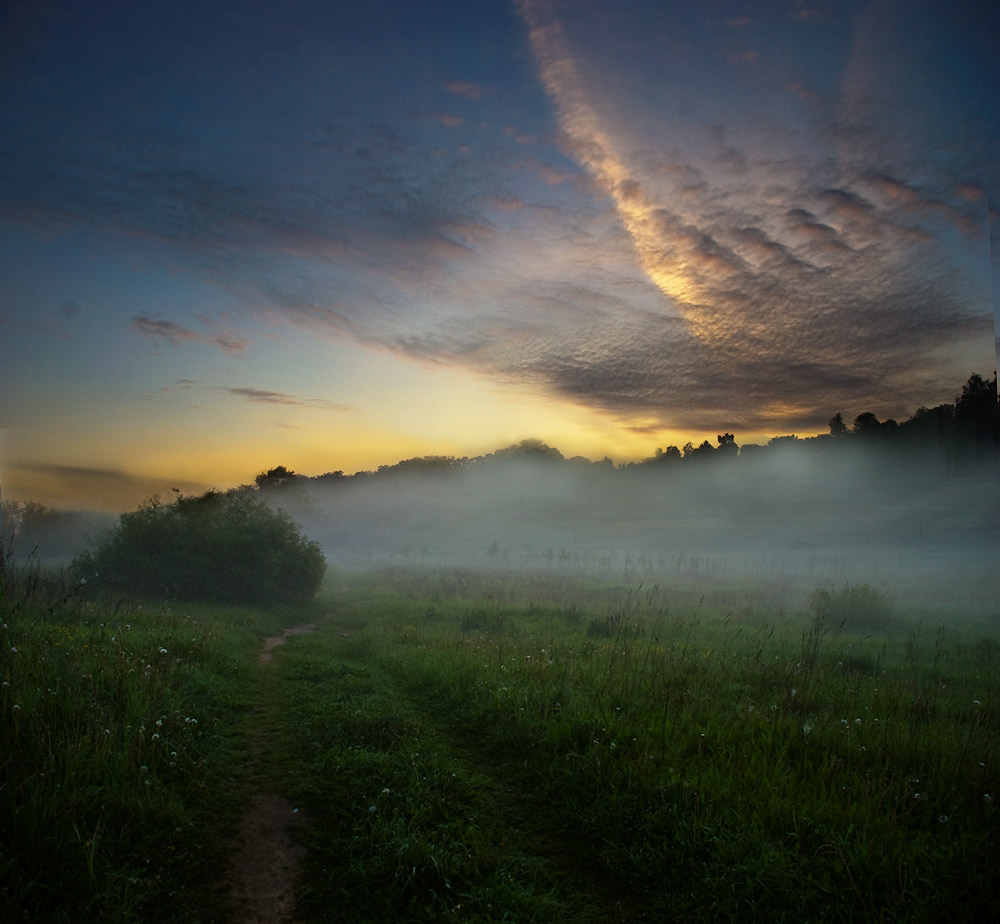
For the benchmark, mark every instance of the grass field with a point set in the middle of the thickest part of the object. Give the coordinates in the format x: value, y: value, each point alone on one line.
x: 476, y: 747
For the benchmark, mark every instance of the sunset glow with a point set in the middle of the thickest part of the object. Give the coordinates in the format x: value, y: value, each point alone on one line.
x: 335, y: 236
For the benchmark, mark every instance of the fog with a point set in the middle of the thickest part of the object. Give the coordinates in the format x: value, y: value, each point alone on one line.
x: 772, y: 528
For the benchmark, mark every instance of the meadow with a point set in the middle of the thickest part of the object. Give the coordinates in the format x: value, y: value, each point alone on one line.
x: 578, y: 744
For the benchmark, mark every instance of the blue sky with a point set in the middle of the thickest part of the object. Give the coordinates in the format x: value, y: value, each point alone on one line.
x: 334, y: 235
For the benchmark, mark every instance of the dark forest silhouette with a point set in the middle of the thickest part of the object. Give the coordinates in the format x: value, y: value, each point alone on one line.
x: 955, y: 436
x: 943, y: 443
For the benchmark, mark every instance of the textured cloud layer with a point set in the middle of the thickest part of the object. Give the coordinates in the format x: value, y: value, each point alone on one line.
x: 683, y: 215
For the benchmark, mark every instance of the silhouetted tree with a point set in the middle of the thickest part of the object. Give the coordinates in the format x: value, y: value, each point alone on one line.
x: 838, y: 428
x: 665, y: 456
x: 727, y: 446
x: 704, y: 451
x: 532, y: 449
x: 867, y: 426
x: 277, y: 477
x: 976, y: 422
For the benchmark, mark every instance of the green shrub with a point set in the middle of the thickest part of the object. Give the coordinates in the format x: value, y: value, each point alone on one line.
x: 218, y: 547
x: 857, y: 606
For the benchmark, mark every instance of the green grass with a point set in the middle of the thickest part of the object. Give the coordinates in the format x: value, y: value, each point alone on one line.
x: 123, y: 770
x: 477, y: 748
x: 695, y: 766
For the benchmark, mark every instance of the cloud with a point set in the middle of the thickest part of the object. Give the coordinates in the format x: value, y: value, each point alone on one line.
x: 701, y: 248
x: 795, y: 273
x: 116, y: 487
x: 176, y: 334
x: 262, y: 396
x: 465, y: 89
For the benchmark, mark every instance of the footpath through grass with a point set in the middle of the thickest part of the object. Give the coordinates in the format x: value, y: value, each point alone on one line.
x: 477, y: 749
x: 480, y: 757
x: 127, y: 735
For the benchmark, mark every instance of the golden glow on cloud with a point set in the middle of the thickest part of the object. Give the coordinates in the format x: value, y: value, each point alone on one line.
x: 673, y: 258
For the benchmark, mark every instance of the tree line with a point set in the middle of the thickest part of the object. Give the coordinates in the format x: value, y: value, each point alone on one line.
x: 958, y: 435
x: 955, y: 438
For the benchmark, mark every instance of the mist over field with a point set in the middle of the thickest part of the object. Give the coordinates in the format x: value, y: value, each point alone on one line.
x: 785, y: 522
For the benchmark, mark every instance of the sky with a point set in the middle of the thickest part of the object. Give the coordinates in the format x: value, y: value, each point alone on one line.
x: 335, y: 235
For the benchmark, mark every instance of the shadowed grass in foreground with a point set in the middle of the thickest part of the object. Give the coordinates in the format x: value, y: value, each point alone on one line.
x: 124, y: 730
x: 489, y: 750
x: 668, y: 767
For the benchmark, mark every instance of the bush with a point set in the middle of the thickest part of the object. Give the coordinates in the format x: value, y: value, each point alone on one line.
x: 218, y: 547
x: 856, y: 606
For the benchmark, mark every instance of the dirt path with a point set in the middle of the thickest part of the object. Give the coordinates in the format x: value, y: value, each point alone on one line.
x: 265, y: 657
x: 265, y: 870
x: 266, y: 864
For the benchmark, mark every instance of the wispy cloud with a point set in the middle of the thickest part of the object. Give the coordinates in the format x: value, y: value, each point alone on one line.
x: 701, y: 245
x: 262, y: 396
x: 176, y: 334
x: 464, y: 88
x: 117, y: 487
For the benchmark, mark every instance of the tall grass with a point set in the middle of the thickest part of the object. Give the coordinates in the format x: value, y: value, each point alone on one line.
x: 476, y: 748
x: 721, y: 768
x: 121, y: 725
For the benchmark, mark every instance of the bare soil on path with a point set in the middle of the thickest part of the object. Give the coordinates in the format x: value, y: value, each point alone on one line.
x: 265, y: 656
x: 266, y: 864
x: 265, y: 870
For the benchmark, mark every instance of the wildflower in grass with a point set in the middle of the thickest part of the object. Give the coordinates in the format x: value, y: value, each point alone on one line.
x: 987, y: 797
x: 372, y: 810
x: 943, y: 819
x: 163, y: 651
x: 806, y: 728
